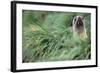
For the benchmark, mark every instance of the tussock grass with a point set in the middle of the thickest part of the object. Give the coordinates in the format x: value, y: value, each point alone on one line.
x: 46, y: 36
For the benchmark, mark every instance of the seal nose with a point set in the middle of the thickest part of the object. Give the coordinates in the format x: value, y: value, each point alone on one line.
x: 79, y: 22
x: 79, y: 19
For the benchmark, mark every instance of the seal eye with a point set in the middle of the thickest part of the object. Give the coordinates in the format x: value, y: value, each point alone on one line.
x: 75, y: 20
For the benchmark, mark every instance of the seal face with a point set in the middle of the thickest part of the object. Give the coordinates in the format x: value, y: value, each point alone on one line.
x: 78, y: 27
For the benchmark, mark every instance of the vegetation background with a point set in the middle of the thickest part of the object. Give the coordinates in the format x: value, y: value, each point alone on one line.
x: 46, y: 36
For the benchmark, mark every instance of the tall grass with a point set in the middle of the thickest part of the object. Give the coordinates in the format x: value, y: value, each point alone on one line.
x: 46, y: 36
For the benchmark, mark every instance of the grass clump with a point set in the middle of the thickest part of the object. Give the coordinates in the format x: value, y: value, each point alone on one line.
x: 46, y: 36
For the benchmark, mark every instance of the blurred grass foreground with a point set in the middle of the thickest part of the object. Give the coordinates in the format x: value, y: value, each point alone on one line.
x: 46, y: 36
